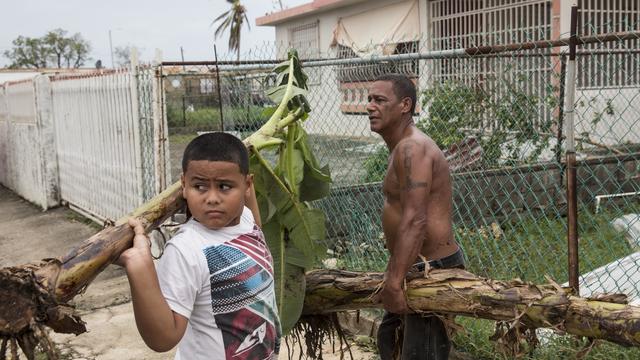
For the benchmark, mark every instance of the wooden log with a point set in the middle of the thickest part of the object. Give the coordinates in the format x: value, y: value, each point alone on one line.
x: 458, y: 292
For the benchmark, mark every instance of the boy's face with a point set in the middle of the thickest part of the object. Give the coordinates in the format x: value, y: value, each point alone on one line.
x: 215, y: 192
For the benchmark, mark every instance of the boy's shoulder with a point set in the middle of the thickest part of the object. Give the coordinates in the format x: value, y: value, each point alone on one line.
x: 192, y: 233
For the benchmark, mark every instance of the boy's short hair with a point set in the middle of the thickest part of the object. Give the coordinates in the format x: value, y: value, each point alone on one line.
x: 402, y: 87
x: 217, y: 146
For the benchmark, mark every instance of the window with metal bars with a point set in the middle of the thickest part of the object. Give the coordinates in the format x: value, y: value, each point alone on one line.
x: 306, y: 40
x: 456, y: 24
x: 610, y: 64
x: 355, y: 78
x: 369, y: 71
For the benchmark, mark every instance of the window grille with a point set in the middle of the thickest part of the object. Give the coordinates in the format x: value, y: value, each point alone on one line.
x: 306, y: 40
x: 458, y: 24
x: 611, y: 64
x: 354, y: 79
x: 206, y: 86
x: 368, y: 72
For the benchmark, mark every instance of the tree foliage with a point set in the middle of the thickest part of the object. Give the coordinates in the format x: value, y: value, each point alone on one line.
x: 294, y: 230
x: 123, y: 55
x: 53, y: 50
x: 232, y: 19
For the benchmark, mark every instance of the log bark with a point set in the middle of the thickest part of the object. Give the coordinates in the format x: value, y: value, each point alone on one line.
x: 458, y: 292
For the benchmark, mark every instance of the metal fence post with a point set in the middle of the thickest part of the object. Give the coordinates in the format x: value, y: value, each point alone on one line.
x: 215, y: 53
x: 572, y: 199
x: 135, y: 110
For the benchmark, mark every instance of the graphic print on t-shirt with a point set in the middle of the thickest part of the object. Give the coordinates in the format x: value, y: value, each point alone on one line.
x: 242, y: 297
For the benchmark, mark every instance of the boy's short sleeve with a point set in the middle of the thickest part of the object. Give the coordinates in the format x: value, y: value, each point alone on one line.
x: 179, y: 280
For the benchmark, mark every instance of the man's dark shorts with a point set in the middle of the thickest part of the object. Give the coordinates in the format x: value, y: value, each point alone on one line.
x: 425, y: 336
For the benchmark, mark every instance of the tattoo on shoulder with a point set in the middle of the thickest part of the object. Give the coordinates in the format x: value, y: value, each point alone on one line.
x: 407, y: 153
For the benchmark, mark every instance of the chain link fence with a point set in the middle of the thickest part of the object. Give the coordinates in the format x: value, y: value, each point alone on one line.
x: 499, y: 117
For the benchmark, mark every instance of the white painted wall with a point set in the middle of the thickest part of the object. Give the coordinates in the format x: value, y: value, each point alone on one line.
x: 617, y: 128
x: 325, y: 117
x: 327, y: 21
x: 324, y: 95
x: 4, y: 128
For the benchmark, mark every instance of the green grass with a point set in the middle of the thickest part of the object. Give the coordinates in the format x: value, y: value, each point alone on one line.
x: 529, y: 249
x: 181, y: 138
x: 73, y: 216
x: 532, y: 248
x: 204, y: 119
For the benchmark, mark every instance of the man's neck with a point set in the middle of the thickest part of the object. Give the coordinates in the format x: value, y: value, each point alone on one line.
x: 393, y: 137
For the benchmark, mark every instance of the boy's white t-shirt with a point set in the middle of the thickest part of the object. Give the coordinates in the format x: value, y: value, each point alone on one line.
x: 222, y: 281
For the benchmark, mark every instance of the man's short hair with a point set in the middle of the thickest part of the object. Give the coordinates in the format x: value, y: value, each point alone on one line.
x: 217, y: 146
x: 403, y: 87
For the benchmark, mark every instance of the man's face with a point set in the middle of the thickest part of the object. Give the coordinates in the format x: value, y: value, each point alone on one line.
x: 383, y: 106
x: 215, y: 192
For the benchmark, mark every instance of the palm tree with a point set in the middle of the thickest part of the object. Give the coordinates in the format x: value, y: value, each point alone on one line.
x: 232, y: 19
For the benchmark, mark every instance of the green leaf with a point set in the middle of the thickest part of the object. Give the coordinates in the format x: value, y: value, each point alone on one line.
x: 267, y: 112
x: 307, y: 229
x: 276, y: 94
x: 297, y: 164
x: 290, y: 296
x: 289, y: 278
x: 293, y: 161
x: 313, y: 186
x: 294, y: 231
x: 310, y: 160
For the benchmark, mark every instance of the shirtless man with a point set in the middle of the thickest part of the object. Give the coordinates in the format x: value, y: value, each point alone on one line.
x: 416, y: 218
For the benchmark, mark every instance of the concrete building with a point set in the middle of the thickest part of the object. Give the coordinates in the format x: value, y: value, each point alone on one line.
x: 357, y: 28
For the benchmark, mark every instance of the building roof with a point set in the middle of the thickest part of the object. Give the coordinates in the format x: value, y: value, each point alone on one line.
x: 316, y: 6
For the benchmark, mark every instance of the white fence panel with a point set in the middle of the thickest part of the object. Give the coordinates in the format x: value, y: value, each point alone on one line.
x: 23, y: 159
x: 98, y: 143
x: 4, y: 128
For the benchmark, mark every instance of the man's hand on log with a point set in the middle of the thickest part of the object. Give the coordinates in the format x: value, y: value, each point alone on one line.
x: 393, y: 299
x: 141, y: 249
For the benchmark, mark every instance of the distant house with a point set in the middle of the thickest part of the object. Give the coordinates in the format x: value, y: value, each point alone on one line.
x: 358, y: 28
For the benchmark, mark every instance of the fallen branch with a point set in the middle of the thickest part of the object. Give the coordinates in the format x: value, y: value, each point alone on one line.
x: 459, y: 292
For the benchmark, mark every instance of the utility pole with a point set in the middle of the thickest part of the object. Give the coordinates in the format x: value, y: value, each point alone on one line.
x: 182, y: 55
x: 111, y: 48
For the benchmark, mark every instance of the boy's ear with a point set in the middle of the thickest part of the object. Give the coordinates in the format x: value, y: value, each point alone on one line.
x: 249, y: 182
x: 182, y: 183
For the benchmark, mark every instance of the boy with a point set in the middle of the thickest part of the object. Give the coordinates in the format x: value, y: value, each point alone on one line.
x: 213, y: 294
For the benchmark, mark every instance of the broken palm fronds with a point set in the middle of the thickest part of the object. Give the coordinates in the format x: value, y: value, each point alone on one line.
x: 35, y: 295
x: 517, y: 304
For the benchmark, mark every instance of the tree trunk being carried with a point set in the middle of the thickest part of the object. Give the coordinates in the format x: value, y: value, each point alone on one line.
x: 458, y: 292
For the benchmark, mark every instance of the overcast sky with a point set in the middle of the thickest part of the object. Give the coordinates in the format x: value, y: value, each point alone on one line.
x: 146, y: 24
